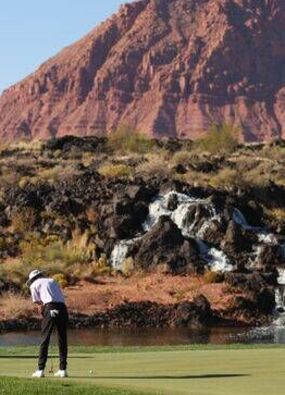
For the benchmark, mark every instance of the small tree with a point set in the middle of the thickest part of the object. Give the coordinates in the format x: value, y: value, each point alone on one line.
x: 126, y: 139
x: 219, y: 140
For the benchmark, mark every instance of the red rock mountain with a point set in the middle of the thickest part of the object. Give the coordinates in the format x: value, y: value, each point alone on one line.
x: 166, y: 67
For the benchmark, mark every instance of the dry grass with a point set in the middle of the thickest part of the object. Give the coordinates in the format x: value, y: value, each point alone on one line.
x: 125, y: 139
x: 181, y: 157
x: 23, y: 220
x: 156, y: 165
x: 195, y: 178
x: 227, y: 178
x: 275, y: 214
x: 56, y: 173
x: 14, y: 306
x: 115, y: 171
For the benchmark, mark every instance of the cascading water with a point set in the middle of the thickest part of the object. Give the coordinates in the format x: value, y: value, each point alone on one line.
x: 263, y: 235
x: 280, y: 290
x: 176, y: 206
x: 162, y: 206
x: 119, y: 253
x: 217, y: 259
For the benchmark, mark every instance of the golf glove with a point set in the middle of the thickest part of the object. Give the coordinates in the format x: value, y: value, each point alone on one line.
x: 54, y: 313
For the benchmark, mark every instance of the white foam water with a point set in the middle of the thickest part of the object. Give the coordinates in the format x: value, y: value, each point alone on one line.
x: 120, y: 253
x: 179, y: 214
x: 263, y: 235
x: 161, y: 206
x: 217, y: 259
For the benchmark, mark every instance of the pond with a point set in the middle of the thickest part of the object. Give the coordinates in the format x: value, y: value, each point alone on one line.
x: 158, y: 337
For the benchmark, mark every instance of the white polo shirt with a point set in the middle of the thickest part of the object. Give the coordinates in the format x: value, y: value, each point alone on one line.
x: 46, y: 290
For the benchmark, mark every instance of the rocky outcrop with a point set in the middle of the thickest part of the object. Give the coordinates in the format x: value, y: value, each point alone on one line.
x: 164, y: 67
x: 165, y: 245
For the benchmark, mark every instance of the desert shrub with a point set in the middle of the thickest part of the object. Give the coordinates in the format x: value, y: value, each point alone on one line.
x: 23, y: 182
x: 57, y: 154
x: 195, y: 178
x: 219, y: 140
x: 89, y: 271
x: 269, y: 152
x: 181, y: 158
x: 128, y: 266
x: 51, y: 252
x: 57, y: 173
x: 228, y: 178
x: 29, y: 146
x: 23, y: 220
x: 213, y: 277
x: 91, y: 214
x: 15, y: 273
x: 156, y: 165
x: 125, y: 139
x: 275, y: 214
x: 115, y: 171
x: 15, y: 306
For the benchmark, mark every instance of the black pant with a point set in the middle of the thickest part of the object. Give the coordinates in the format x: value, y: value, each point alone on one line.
x: 48, y: 324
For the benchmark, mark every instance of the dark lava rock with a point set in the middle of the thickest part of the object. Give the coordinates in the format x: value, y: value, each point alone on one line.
x: 193, y: 314
x: 67, y: 143
x: 258, y: 290
x: 270, y: 255
x: 214, y: 233
x: 164, y: 244
x: 249, y: 282
x: 236, y: 239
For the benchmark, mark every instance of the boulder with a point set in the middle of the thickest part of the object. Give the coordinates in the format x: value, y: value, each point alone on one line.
x: 164, y: 244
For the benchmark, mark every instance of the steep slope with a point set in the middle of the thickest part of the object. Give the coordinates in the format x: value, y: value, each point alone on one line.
x: 166, y: 67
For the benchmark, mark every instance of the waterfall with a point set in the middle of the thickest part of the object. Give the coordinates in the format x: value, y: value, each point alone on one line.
x: 217, y: 259
x: 120, y: 253
x: 162, y: 206
x: 179, y: 212
x: 263, y: 235
x: 280, y: 290
x: 176, y: 206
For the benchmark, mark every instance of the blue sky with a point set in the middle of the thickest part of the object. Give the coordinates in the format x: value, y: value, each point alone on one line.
x: 31, y: 31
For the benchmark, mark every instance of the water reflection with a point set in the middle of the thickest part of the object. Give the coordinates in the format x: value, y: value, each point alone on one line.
x: 159, y: 337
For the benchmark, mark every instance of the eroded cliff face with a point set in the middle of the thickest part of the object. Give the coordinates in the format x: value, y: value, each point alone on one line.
x: 165, y: 67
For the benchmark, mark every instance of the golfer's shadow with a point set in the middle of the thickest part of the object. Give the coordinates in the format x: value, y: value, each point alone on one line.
x: 165, y: 377
x: 35, y: 357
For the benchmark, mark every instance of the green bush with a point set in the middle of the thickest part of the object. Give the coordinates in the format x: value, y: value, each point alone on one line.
x: 219, y: 140
x: 127, y: 140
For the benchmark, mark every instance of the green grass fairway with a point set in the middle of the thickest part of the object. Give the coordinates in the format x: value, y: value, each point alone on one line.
x: 170, y: 371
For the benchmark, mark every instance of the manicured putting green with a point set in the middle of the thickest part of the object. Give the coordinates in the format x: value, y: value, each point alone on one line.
x: 252, y: 371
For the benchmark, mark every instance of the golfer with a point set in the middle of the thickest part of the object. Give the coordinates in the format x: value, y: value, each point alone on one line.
x: 46, y: 293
